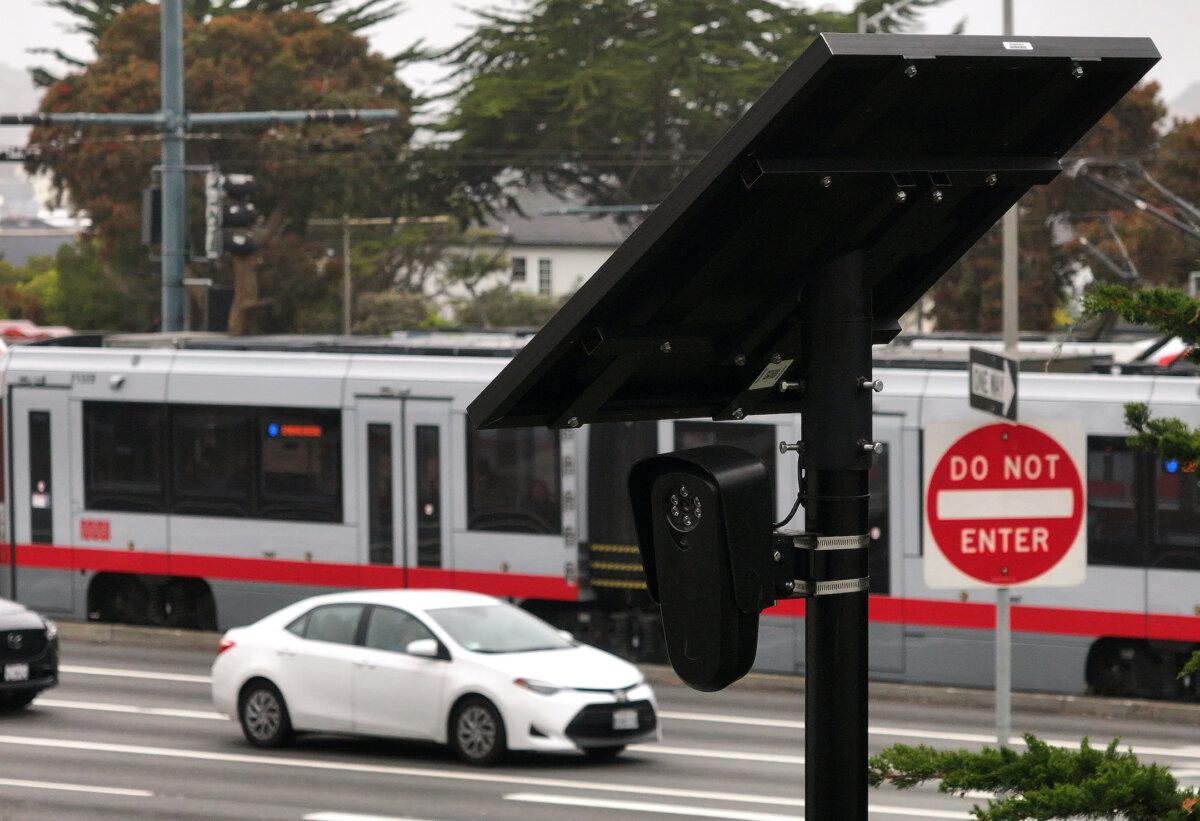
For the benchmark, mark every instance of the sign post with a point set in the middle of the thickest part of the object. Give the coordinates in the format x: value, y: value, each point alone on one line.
x: 1004, y: 507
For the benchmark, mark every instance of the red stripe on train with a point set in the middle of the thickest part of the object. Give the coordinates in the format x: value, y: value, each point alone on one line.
x: 286, y: 571
x: 883, y: 609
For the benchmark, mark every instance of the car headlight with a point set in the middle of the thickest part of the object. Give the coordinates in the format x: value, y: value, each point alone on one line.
x: 539, y: 687
x: 51, y: 630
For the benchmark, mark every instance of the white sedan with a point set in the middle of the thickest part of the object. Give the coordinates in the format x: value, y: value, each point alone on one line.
x: 453, y: 667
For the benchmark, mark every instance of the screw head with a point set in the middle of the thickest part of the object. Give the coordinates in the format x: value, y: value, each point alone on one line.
x: 739, y: 360
x: 776, y: 358
x: 738, y: 413
x: 1077, y: 72
x: 990, y: 179
x: 777, y: 556
x: 665, y: 347
x: 573, y: 422
x: 910, y: 71
x: 789, y: 586
x: 901, y: 196
x: 937, y: 195
x: 826, y: 181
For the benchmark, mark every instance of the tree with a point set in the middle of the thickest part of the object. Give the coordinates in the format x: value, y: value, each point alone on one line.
x: 968, y: 297
x: 95, y: 17
x: 73, y: 288
x: 614, y: 100
x: 242, y: 61
x: 505, y: 307
x: 1044, y: 782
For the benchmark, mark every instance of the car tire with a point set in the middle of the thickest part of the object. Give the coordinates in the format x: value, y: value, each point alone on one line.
x: 477, y: 732
x: 16, y: 701
x: 263, y: 714
x: 604, y: 753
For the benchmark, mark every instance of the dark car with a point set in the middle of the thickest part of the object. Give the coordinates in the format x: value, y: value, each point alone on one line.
x: 28, y: 655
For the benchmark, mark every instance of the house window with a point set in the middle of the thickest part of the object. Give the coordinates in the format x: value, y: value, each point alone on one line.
x: 544, y: 276
x: 518, y: 269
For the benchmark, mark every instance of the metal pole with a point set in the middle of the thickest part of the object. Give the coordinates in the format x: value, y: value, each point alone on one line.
x: 346, y: 290
x: 174, y: 195
x: 836, y: 430
x: 1011, y: 324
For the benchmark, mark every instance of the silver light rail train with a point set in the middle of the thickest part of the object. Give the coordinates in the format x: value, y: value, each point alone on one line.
x: 202, y: 482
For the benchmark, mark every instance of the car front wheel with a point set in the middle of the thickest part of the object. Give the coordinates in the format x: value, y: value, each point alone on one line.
x: 264, y: 716
x: 477, y: 732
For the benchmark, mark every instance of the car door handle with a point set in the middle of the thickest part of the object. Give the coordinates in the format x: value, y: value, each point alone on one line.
x: 365, y: 664
x: 288, y: 653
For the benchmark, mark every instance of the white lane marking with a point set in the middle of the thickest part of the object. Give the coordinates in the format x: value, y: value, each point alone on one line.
x: 168, y: 712
x: 730, y: 755
x: 354, y: 816
x: 707, y: 812
x: 88, y: 788
x: 751, y: 721
x: 1190, y: 751
x: 646, y: 806
x: 383, y: 769
x: 142, y: 674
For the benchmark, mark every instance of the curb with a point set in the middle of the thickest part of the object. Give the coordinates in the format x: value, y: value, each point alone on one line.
x: 127, y: 634
x: 1037, y: 703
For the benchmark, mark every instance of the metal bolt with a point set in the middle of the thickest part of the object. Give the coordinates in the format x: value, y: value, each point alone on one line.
x: 871, y: 385
x: 776, y: 358
x: 573, y: 422
x: 777, y: 556
x: 796, y: 447
x: 990, y: 179
x: 789, y: 586
x: 826, y: 181
x: 901, y: 196
x: 665, y: 347
x: 910, y: 71
x: 738, y: 413
x: 871, y: 447
x: 739, y: 360
x: 785, y: 386
x: 1077, y: 72
x: 937, y: 195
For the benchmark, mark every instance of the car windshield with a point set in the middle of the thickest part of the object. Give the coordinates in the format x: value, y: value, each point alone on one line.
x: 497, y: 628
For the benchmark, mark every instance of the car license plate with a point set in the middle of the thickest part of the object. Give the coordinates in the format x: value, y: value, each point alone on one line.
x: 625, y: 720
x: 16, y: 672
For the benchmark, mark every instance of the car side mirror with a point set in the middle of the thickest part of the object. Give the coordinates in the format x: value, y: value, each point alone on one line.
x: 425, y: 648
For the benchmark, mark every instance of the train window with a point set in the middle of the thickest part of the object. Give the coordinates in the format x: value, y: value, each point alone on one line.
x: 3, y: 435
x: 1177, y: 510
x: 1112, y: 524
x: 213, y: 450
x: 878, y: 557
x: 123, y: 456
x: 613, y: 448
x: 428, y: 494
x: 513, y: 480
x: 758, y: 439
x: 300, y: 464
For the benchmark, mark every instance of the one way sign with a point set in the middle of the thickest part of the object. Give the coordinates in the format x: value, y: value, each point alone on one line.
x: 994, y: 384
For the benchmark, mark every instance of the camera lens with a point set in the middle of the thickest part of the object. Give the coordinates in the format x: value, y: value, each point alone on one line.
x: 685, y: 510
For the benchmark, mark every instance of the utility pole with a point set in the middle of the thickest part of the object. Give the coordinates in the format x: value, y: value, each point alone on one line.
x: 1010, y: 323
x: 346, y: 288
x: 174, y: 121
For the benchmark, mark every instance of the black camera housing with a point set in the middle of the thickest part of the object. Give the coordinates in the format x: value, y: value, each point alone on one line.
x: 704, y: 526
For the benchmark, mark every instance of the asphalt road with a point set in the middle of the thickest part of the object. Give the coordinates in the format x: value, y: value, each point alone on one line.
x: 130, y: 733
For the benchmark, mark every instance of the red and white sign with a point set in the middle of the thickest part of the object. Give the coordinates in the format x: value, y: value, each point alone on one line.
x: 1005, y: 505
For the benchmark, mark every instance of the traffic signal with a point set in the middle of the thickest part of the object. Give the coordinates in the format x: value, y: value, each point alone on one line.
x: 703, y: 519
x: 239, y: 213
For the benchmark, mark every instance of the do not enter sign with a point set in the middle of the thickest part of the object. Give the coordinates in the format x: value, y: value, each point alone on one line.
x: 1004, y: 505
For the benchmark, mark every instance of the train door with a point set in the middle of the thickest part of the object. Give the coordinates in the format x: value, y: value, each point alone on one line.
x: 380, y: 437
x: 1173, y: 570
x: 885, y: 524
x: 41, y: 497
x: 427, y: 491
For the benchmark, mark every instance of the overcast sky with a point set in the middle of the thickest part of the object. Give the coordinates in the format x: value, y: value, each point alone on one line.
x: 1174, y: 25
